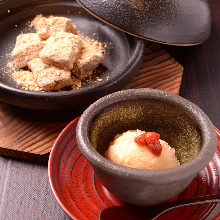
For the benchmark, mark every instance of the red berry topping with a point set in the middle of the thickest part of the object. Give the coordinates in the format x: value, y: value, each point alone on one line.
x: 151, y: 136
x: 150, y: 139
x: 140, y: 139
x: 155, y: 147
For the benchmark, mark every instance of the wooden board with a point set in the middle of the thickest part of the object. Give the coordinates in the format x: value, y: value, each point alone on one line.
x: 29, y: 134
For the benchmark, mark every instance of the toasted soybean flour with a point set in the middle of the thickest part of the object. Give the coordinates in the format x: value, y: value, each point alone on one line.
x: 56, y: 56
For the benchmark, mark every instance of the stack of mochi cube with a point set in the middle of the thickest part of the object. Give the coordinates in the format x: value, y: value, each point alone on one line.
x: 56, y: 55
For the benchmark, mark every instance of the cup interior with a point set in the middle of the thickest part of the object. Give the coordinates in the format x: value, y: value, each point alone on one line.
x: 176, y: 126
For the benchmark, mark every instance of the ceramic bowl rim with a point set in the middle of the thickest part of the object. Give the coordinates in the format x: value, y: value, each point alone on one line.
x: 186, y: 170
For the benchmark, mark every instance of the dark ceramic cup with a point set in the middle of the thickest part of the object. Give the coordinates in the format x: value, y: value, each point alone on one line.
x: 181, y: 123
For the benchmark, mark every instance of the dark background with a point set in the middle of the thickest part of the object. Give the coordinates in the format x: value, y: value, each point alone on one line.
x: 201, y: 78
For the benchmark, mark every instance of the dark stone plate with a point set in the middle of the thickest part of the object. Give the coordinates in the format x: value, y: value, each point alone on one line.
x: 122, y: 58
x: 179, y: 22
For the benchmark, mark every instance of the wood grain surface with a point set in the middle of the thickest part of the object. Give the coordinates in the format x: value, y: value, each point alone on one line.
x: 29, y: 134
x: 159, y: 71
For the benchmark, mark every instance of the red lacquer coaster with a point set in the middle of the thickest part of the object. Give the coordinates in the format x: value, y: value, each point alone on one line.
x: 82, y: 196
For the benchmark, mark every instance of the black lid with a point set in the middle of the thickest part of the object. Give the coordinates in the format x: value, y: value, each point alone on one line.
x: 175, y: 22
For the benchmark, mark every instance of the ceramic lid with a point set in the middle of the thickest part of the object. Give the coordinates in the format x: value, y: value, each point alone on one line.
x: 175, y: 22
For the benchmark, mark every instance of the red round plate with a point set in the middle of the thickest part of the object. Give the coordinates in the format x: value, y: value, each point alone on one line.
x: 82, y: 196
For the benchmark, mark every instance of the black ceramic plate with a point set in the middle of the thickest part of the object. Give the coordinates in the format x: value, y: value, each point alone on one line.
x: 179, y: 22
x: 122, y: 57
